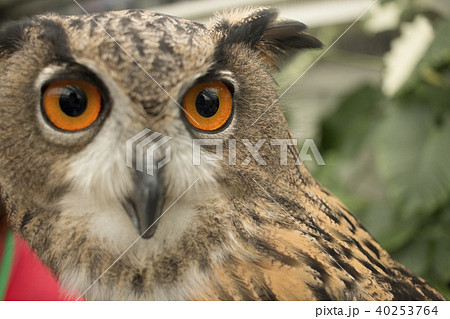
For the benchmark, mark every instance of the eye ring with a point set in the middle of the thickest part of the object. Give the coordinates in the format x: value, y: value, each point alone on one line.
x: 71, y: 105
x: 208, y: 106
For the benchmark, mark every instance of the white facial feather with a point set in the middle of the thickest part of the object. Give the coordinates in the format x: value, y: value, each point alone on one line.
x: 100, y: 180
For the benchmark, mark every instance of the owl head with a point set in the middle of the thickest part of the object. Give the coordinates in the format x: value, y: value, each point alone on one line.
x: 77, y: 91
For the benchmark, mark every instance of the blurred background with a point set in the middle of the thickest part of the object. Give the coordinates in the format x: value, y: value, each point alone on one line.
x: 377, y: 104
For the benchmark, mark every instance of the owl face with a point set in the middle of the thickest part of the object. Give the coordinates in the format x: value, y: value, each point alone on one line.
x: 75, y: 89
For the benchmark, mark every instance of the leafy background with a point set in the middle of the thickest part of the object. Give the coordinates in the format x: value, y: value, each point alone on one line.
x: 386, y: 139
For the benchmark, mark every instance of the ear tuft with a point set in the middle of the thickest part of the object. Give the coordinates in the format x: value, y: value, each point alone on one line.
x: 282, y: 38
x: 12, y: 36
x: 242, y: 25
x: 275, y: 38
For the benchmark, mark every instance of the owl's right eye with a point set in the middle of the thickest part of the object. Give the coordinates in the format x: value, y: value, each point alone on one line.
x: 208, y: 106
x: 71, y: 105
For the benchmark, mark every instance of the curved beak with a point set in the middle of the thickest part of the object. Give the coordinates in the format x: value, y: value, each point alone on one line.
x: 145, y: 207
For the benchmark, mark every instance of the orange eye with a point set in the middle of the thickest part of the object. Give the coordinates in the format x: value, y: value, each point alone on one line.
x: 208, y: 105
x: 71, y: 105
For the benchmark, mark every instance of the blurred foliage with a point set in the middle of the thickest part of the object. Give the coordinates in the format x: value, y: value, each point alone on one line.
x: 387, y: 149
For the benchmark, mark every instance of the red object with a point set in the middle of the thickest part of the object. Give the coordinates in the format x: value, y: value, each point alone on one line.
x: 29, y: 278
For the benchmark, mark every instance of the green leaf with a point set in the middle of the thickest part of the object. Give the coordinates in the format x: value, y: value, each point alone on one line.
x: 427, y: 251
x: 435, y: 97
x: 441, y: 236
x: 414, y: 255
x: 348, y: 127
x: 438, y: 53
x: 413, y: 159
x: 383, y: 223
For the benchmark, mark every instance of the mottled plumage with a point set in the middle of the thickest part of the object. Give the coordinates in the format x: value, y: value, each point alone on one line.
x: 243, y: 232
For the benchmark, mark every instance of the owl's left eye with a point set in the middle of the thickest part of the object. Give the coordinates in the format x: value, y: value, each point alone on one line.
x: 208, y: 105
x: 71, y: 105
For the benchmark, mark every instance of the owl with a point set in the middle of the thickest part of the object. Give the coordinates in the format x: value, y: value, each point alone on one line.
x: 227, y: 214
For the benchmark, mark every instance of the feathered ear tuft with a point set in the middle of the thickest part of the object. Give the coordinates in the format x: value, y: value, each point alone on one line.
x: 12, y: 37
x: 282, y: 38
x: 275, y: 38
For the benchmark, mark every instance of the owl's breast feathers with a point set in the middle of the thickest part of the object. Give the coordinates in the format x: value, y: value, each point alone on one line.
x: 305, y: 246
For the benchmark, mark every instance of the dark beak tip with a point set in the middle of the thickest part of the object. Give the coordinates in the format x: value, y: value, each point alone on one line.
x: 144, y: 207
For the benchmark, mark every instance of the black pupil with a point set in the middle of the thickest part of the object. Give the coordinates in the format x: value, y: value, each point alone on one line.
x: 73, y: 101
x: 207, y: 103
